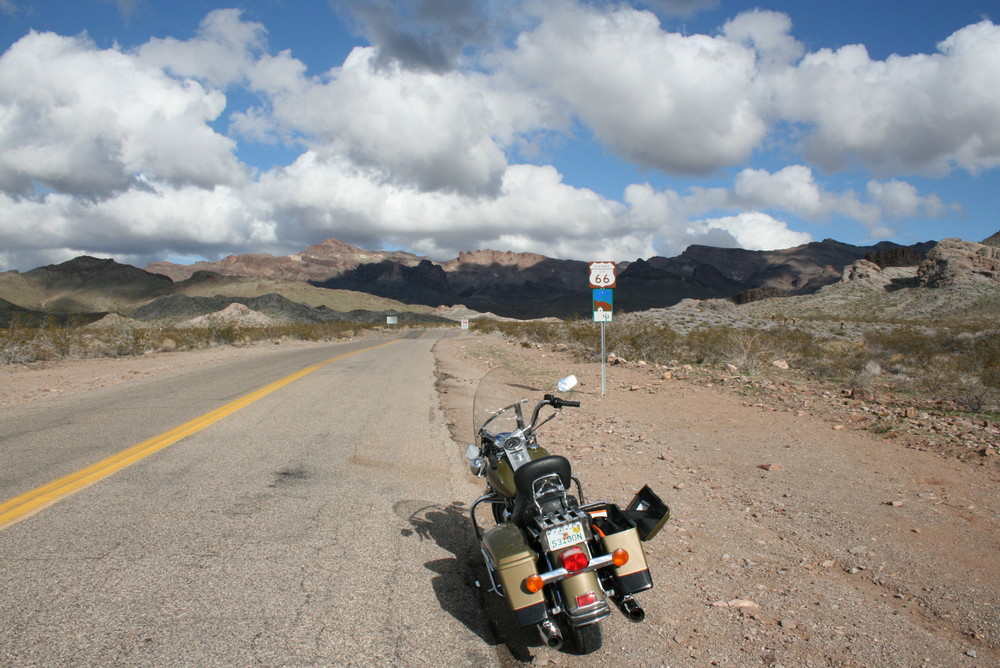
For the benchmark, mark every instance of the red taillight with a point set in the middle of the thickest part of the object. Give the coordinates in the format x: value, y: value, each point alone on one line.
x: 574, y: 559
x: 590, y: 598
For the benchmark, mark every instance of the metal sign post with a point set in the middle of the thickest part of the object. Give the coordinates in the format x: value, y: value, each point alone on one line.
x: 602, y: 280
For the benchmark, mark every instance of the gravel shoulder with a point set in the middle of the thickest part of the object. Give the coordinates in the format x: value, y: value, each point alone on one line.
x: 795, y: 540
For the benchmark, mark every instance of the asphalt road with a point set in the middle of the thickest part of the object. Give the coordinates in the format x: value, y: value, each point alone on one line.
x: 314, y: 526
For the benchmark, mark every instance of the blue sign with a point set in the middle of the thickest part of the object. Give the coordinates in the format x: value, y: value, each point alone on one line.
x: 603, y: 304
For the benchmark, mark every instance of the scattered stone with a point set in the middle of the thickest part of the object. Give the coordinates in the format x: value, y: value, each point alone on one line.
x: 894, y: 504
x: 742, y: 603
x: 861, y: 394
x: 771, y: 467
x: 781, y: 364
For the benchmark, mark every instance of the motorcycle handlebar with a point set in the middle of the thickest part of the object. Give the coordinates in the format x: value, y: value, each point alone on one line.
x: 557, y: 402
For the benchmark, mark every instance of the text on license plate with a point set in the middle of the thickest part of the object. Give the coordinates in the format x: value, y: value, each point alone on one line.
x: 568, y: 534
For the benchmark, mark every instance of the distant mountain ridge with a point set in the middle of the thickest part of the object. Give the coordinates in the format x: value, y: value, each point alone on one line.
x: 336, y: 276
x: 532, y: 285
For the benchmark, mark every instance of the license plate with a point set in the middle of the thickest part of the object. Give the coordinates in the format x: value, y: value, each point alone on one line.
x: 565, y: 535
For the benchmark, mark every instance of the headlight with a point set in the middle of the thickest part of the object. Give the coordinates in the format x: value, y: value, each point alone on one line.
x: 478, y: 467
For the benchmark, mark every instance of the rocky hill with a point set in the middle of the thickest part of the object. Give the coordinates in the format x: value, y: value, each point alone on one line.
x: 339, y: 277
x: 531, y: 285
x: 958, y: 281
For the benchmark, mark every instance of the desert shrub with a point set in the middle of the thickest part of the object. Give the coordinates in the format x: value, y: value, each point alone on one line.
x: 21, y: 344
x: 642, y: 340
x: 751, y: 350
x: 532, y: 332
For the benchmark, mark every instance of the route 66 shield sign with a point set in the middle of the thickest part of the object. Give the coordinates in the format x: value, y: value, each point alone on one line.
x: 602, y: 274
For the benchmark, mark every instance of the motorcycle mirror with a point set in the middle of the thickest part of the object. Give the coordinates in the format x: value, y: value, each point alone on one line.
x: 567, y: 384
x: 472, y: 451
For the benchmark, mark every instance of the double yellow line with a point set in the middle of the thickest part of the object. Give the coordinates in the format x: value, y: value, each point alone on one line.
x: 29, y: 503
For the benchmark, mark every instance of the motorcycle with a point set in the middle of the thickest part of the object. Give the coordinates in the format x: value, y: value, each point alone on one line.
x: 559, y: 561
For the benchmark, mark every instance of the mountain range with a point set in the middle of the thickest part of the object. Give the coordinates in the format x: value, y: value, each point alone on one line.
x: 343, y: 278
x: 528, y: 285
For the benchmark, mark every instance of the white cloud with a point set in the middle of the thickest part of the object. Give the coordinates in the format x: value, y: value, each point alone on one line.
x: 221, y: 54
x: 921, y: 113
x: 769, y: 33
x: 752, y: 230
x: 662, y: 100
x: 115, y: 150
x: 81, y: 120
x: 433, y: 131
x: 675, y: 222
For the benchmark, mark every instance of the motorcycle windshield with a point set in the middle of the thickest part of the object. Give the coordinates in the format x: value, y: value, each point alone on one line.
x: 499, y: 395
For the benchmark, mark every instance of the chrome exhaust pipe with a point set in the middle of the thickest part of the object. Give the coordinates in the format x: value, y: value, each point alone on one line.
x: 631, y: 609
x: 550, y: 634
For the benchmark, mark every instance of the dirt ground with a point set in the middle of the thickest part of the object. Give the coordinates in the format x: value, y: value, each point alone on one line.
x: 795, y: 540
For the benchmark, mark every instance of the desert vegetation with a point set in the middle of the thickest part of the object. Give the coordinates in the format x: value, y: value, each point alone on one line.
x: 957, y: 368
x: 54, y: 340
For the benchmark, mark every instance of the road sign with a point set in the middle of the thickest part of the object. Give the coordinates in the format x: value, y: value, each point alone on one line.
x: 603, y: 305
x: 602, y: 274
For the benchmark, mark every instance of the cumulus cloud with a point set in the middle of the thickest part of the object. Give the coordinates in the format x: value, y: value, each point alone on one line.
x: 418, y: 143
x: 433, y: 131
x: 85, y: 121
x: 222, y: 53
x: 682, y: 104
x: 923, y: 113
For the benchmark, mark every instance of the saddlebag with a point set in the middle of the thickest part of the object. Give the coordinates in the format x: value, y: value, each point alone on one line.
x: 626, y: 529
x: 511, y: 558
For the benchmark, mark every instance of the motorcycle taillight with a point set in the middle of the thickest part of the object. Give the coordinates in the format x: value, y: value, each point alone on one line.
x: 574, y: 559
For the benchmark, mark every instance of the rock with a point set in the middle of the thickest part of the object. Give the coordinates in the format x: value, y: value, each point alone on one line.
x: 780, y: 364
x: 732, y: 369
x: 861, y: 394
x: 957, y: 262
x: 771, y: 467
x: 742, y: 603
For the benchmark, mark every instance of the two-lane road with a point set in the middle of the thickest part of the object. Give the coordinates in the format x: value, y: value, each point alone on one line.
x: 314, y: 525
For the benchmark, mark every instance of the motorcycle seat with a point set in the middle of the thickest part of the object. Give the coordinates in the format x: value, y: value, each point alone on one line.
x: 525, y: 477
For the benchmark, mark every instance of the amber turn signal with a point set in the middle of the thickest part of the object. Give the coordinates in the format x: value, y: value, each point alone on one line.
x: 533, y: 583
x: 619, y: 557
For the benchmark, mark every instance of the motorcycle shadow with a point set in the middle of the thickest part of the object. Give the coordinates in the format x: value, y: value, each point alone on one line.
x: 461, y: 583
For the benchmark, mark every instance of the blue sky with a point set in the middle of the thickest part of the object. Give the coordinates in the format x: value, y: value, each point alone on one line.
x: 146, y: 130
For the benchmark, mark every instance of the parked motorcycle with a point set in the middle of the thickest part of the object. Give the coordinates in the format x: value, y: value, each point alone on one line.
x: 557, y: 560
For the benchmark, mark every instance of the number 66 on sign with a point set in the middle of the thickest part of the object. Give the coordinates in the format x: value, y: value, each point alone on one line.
x: 602, y: 274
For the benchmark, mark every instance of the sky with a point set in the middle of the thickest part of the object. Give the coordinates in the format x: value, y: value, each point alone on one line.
x: 181, y: 130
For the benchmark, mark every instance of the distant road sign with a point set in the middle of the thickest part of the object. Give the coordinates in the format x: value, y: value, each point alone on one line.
x: 603, y: 305
x: 602, y: 274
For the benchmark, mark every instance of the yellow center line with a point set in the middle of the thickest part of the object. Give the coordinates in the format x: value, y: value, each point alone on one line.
x: 29, y: 503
